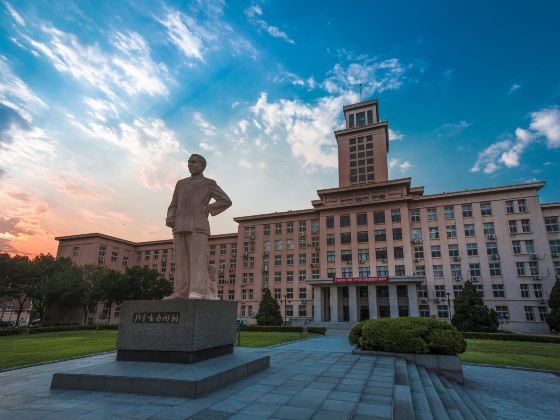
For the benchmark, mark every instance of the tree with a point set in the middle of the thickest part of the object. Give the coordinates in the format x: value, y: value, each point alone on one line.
x: 553, y: 317
x: 471, y: 314
x: 143, y: 283
x: 269, y: 310
x: 20, y: 281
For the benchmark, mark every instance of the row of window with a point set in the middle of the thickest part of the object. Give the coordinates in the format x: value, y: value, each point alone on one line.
x: 249, y: 231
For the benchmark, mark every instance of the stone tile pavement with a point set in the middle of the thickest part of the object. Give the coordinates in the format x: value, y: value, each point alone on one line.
x: 316, y: 378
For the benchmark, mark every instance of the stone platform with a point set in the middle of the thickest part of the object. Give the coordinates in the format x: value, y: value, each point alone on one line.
x: 164, y: 379
x: 176, y: 331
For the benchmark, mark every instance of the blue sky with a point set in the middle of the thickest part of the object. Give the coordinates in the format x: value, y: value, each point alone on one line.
x: 101, y: 102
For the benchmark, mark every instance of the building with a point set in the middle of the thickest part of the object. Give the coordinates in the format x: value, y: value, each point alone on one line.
x: 374, y: 247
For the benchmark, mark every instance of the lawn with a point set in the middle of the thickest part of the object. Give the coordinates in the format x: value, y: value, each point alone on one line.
x: 513, y: 353
x: 20, y: 350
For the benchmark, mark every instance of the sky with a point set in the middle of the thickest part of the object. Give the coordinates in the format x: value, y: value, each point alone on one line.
x: 102, y: 102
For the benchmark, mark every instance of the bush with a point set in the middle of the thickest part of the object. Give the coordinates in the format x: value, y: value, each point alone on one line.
x: 269, y: 310
x: 271, y: 328
x: 316, y: 330
x: 470, y: 312
x: 39, y: 330
x: 408, y: 335
x: 512, y: 337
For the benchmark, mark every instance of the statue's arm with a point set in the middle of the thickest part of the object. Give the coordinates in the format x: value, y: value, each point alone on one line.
x: 172, y: 209
x: 222, y: 200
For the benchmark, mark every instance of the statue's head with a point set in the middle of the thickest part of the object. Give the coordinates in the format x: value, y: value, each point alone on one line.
x: 196, y: 164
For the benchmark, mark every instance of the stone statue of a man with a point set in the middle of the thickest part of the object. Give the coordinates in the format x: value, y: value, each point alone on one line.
x: 188, y: 217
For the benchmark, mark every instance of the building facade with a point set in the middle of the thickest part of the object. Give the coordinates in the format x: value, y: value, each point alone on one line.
x: 373, y: 247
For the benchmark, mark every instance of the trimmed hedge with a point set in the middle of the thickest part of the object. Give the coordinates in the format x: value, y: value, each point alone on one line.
x: 39, y: 330
x: 273, y: 328
x: 316, y: 330
x: 512, y: 337
x: 408, y: 335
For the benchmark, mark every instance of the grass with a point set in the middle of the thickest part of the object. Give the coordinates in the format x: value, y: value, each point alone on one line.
x: 513, y: 353
x: 18, y: 350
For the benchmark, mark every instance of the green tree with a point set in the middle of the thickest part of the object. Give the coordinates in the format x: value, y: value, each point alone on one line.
x: 553, y: 317
x: 18, y: 281
x: 111, y: 289
x: 141, y: 283
x: 471, y: 314
x: 269, y: 310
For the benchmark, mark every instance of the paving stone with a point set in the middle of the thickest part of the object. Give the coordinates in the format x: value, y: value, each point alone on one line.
x: 294, y: 413
x: 342, y: 406
x: 330, y: 415
x: 344, y: 396
x: 378, y: 410
x: 307, y: 402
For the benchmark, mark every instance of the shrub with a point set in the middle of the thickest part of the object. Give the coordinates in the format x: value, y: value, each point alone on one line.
x: 316, y: 330
x: 408, y: 335
x: 269, y: 310
x: 39, y: 330
x: 272, y: 328
x: 553, y: 317
x: 512, y: 337
x: 471, y: 314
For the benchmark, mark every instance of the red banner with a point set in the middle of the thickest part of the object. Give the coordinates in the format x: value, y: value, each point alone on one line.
x: 383, y: 279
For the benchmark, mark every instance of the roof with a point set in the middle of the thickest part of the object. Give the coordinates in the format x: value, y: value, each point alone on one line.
x: 275, y: 214
x: 124, y: 241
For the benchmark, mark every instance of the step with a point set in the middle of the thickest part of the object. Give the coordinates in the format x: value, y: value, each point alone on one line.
x: 419, y: 401
x: 402, y: 397
x: 457, y: 399
x: 436, y: 406
x: 452, y: 410
x: 476, y: 409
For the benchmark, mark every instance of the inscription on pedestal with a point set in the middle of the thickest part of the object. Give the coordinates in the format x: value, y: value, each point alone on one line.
x: 156, y: 317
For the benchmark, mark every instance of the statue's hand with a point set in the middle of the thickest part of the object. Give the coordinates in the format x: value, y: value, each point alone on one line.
x: 169, y: 222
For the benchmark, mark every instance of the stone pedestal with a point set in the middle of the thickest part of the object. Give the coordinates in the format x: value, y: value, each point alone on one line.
x: 176, y: 331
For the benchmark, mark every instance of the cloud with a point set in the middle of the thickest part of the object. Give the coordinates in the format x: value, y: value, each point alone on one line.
x: 15, y: 15
x: 399, y: 165
x: 7, y: 247
x: 395, y: 135
x: 254, y: 14
x: 10, y: 227
x: 74, y: 185
x: 452, y: 129
x: 374, y: 75
x: 101, y: 109
x: 206, y: 146
x: 513, y: 88
x: 129, y: 69
x: 545, y: 125
x: 181, y: 29
x: 204, y: 126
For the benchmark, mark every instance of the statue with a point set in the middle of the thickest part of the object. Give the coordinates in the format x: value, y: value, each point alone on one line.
x: 188, y: 217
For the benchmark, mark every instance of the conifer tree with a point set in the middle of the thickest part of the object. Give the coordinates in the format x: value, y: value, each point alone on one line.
x: 269, y: 310
x: 471, y: 314
x: 553, y: 317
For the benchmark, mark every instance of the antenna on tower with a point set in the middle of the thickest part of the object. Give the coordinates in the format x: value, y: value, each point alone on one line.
x: 360, y: 92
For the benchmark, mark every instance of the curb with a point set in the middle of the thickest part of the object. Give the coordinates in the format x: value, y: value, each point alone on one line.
x: 554, y: 372
x: 283, y: 344
x: 55, y: 361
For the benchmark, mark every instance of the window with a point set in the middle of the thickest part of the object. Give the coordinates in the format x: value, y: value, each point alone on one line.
x: 363, y: 237
x: 76, y: 251
x: 302, y: 226
x: 491, y: 248
x: 330, y: 238
x: 456, y: 272
x: 398, y: 252
x: 416, y: 235
x: 448, y: 213
x: 418, y: 252
x: 212, y: 252
x: 516, y: 247
x: 534, y: 268
x: 360, y: 119
x: 422, y: 292
x: 382, y: 270
x: 330, y: 222
x: 498, y: 290
x: 278, y: 260
x: 395, y: 216
x: 525, y: 226
x: 522, y: 206
x: 415, y: 215
x: 420, y: 270
x: 467, y: 210
x: 509, y: 207
x: 474, y: 270
x: 231, y: 294
x: 101, y: 255
x: 278, y: 245
x: 453, y: 250
x: 363, y: 255
x: 379, y: 217
x: 351, y: 123
x: 380, y: 234
x: 433, y: 232
x: 302, y: 310
x: 138, y: 255
x: 331, y: 273
x: 479, y: 289
x: 486, y: 209
x: 557, y: 267
x: 543, y: 310
x: 347, y: 272
x: 451, y: 231
x: 381, y: 253
x: 552, y: 224
x: 397, y: 234
x: 520, y: 266
x: 443, y: 311
x: 457, y: 289
x: 289, y: 276
x: 278, y: 228
x: 346, y: 238
x: 472, y: 249
x: 125, y: 263
x: 289, y: 244
x: 530, y: 246
x: 529, y: 314
x: 344, y: 220
x: 436, y: 251
x: 469, y: 230
x: 361, y: 219
x: 114, y: 256
x: 303, y: 259
x: 438, y: 271
x: 488, y: 229
x: 302, y: 275
x: 277, y: 276
x: 432, y: 214
x: 555, y: 247
x: 266, y: 230
x: 424, y: 310
x: 524, y: 290
x: 503, y: 313
x: 331, y: 256
x: 512, y: 226
x: 399, y: 270
x: 363, y: 271
x: 537, y: 288
x: 314, y: 226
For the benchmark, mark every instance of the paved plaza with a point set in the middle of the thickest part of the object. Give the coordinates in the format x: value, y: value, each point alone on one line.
x: 317, y: 378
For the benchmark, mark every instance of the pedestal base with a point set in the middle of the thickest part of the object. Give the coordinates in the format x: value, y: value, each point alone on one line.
x: 173, y: 356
